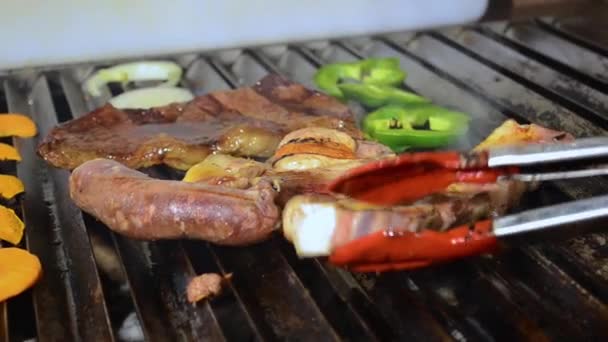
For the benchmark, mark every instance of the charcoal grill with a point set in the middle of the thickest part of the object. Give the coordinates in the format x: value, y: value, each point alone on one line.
x: 542, y: 71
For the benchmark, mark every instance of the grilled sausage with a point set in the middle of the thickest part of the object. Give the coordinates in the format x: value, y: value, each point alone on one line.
x: 135, y: 205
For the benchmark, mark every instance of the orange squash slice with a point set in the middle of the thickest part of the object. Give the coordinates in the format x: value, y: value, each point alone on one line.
x: 11, y: 226
x: 19, y: 270
x: 10, y: 186
x: 17, y: 125
x: 8, y: 152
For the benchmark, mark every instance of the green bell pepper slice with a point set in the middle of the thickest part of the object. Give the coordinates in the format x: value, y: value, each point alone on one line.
x: 374, y: 96
x: 416, y: 125
x: 374, y: 71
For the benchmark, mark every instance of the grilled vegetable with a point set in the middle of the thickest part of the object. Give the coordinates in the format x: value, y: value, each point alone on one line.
x: 377, y: 71
x: 8, y: 152
x: 317, y: 140
x: 10, y: 186
x: 16, y: 125
x: 146, y: 98
x: 374, y: 96
x: 422, y: 125
x: 19, y: 270
x: 170, y: 72
x: 11, y: 226
x: 221, y: 169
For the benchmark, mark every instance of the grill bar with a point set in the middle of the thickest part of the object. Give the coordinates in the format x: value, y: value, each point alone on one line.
x: 487, y: 81
x: 415, y: 80
x: 579, y: 97
x: 575, y: 189
x: 158, y: 274
x: 589, y: 34
x: 56, y: 234
x: 537, y: 292
x: 437, y: 297
x: 232, y: 315
x: 407, y: 327
x: 281, y: 282
x: 4, y: 330
x: 425, y: 82
x: 556, y: 51
x: 4, y: 337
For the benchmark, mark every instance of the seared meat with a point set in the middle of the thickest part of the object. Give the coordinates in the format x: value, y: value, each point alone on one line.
x: 135, y: 205
x: 511, y: 133
x: 248, y: 121
x: 316, y: 224
x: 205, y: 286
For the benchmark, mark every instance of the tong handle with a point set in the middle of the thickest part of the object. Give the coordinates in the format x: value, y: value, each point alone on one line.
x: 586, y: 148
x: 578, y: 215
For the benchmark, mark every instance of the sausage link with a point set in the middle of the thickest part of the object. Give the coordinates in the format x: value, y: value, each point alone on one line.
x: 135, y: 205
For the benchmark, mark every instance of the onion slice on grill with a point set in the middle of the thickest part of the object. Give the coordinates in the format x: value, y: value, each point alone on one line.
x: 169, y: 72
x: 145, y: 98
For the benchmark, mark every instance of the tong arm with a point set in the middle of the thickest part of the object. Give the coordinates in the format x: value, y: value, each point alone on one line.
x: 553, y: 217
x: 586, y: 148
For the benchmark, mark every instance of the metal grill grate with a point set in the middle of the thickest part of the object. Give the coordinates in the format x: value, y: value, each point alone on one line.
x: 533, y: 72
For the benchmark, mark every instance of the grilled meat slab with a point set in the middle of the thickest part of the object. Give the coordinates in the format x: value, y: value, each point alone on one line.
x: 317, y: 224
x: 135, y: 205
x: 248, y: 122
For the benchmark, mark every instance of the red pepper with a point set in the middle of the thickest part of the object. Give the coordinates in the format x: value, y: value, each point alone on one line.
x: 381, y: 252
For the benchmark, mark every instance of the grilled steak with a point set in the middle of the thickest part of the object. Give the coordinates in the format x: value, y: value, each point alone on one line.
x: 248, y: 122
x: 135, y: 205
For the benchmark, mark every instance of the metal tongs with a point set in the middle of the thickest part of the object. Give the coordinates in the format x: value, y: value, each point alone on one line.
x: 410, y: 177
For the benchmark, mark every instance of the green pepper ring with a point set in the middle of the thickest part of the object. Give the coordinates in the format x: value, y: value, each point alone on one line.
x: 374, y: 96
x: 445, y: 126
x: 376, y: 71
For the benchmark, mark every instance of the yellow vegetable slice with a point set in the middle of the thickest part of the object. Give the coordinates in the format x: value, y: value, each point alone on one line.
x: 8, y: 152
x: 10, y: 186
x: 19, y: 270
x: 17, y: 125
x: 11, y: 226
x: 222, y: 165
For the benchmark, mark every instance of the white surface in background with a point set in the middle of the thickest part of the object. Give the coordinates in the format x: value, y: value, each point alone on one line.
x: 39, y: 32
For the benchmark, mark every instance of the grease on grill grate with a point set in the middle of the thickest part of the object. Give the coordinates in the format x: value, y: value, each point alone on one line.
x: 137, y: 288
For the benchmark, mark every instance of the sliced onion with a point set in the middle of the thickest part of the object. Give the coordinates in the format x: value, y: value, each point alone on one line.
x: 135, y: 71
x: 145, y: 98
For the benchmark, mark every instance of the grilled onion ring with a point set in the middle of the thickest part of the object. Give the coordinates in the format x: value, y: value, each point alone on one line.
x: 317, y: 141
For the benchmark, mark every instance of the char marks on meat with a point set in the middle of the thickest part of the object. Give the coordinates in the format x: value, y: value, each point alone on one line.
x: 248, y: 122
